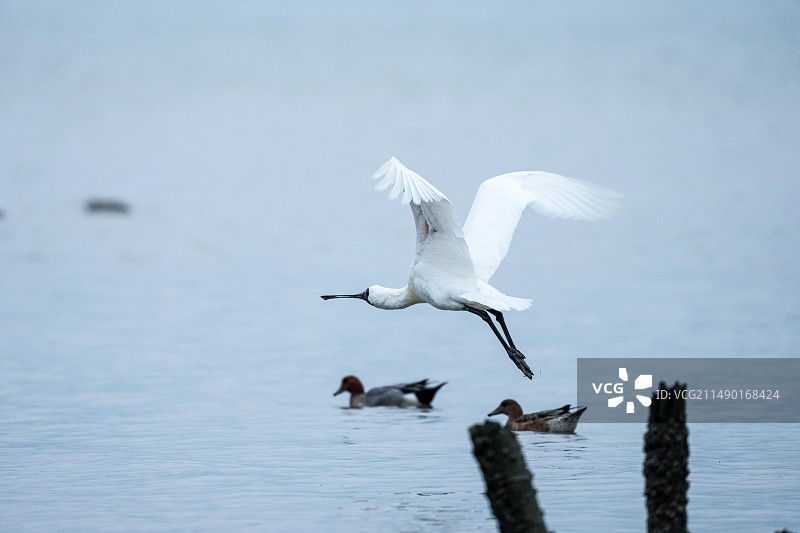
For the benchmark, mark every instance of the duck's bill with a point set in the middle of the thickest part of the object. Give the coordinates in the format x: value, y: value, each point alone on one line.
x: 338, y: 392
x: 495, y: 412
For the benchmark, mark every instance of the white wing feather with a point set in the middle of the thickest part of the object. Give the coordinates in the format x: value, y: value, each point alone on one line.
x: 500, y: 202
x: 440, y: 239
x: 411, y: 184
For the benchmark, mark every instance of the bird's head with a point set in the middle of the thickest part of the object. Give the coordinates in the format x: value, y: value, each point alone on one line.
x: 509, y: 408
x: 350, y: 384
x: 382, y: 297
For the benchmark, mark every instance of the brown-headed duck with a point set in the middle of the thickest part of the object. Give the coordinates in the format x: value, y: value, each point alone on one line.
x: 561, y: 420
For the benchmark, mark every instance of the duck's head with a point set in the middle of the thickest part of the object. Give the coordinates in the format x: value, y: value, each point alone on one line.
x: 508, y: 408
x: 350, y: 384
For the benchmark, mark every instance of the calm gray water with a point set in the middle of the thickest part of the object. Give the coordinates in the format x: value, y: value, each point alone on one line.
x: 173, y: 369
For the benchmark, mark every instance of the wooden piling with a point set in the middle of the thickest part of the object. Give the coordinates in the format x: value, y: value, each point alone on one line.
x: 509, y: 484
x: 666, y: 464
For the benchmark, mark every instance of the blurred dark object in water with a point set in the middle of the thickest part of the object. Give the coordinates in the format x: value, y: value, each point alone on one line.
x: 509, y: 483
x: 666, y: 462
x: 98, y: 205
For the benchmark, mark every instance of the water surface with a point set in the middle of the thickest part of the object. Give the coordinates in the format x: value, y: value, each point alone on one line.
x: 173, y: 369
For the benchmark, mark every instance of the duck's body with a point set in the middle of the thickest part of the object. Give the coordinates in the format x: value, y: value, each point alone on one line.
x: 391, y: 395
x: 453, y: 264
x: 561, y: 420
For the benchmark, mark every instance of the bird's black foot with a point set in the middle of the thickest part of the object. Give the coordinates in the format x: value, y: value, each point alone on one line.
x: 519, y: 360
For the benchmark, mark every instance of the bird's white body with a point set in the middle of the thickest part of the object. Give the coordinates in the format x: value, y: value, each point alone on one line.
x: 453, y: 264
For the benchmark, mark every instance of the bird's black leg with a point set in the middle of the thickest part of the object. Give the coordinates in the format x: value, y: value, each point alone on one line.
x: 500, y: 320
x: 514, y: 354
x: 485, y: 316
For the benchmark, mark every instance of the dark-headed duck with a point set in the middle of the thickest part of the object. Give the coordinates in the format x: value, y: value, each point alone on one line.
x: 390, y: 395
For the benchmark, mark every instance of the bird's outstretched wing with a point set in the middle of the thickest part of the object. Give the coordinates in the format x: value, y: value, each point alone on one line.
x: 501, y: 200
x: 414, y: 188
x: 440, y: 238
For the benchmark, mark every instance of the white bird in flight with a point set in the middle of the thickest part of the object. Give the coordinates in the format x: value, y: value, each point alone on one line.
x: 453, y: 264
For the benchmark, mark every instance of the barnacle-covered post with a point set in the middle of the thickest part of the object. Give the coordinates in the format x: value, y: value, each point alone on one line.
x: 509, y: 484
x: 666, y: 463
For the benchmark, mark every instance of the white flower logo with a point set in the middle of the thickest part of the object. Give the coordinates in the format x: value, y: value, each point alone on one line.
x: 644, y: 381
